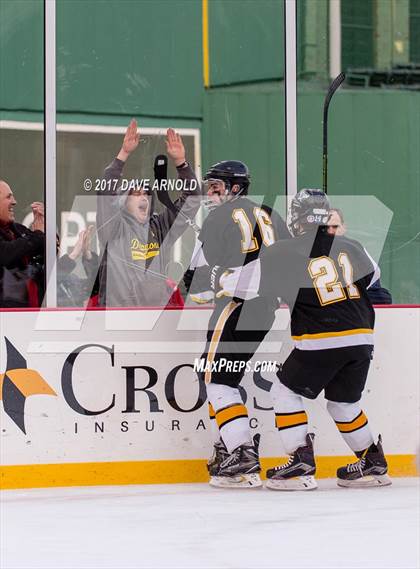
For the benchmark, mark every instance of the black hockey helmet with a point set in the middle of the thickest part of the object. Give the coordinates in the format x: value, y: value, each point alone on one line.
x: 231, y: 172
x: 309, y: 208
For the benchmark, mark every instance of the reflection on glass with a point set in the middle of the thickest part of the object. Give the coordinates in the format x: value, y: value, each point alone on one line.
x: 22, y: 227
x: 153, y: 71
x: 370, y: 143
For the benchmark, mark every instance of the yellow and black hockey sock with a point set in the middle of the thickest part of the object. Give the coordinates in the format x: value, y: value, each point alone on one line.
x: 231, y: 415
x: 290, y: 420
x: 352, y: 424
x: 233, y: 425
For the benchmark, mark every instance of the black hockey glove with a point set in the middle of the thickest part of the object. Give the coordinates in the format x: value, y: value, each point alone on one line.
x: 197, y: 280
x: 203, y: 279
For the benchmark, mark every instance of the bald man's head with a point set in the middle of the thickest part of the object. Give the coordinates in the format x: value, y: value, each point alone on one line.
x: 7, y: 204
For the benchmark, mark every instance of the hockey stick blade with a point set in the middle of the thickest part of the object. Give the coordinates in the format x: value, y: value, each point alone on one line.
x: 331, y: 90
x: 161, y: 173
x: 160, y: 168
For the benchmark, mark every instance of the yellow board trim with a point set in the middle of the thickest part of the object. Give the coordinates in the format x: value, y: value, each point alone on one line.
x: 334, y: 334
x: 159, y: 471
x: 206, y: 51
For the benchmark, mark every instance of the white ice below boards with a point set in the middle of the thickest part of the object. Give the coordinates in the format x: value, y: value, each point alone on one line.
x: 195, y: 526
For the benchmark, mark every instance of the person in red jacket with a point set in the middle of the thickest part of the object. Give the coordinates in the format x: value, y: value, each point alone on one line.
x: 21, y: 254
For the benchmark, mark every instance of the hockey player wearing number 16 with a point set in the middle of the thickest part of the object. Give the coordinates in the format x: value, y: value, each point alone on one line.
x: 324, y: 280
x: 236, y: 230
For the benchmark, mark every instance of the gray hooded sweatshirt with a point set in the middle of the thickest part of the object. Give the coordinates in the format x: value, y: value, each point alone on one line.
x: 135, y: 255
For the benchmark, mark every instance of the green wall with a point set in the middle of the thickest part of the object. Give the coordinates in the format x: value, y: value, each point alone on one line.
x: 132, y: 58
x: 357, y: 33
x: 118, y: 58
x: 136, y: 57
x: 21, y: 54
x: 247, y: 124
x: 245, y: 41
x: 374, y: 150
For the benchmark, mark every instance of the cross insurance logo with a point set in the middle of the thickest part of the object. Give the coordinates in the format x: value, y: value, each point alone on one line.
x: 17, y: 383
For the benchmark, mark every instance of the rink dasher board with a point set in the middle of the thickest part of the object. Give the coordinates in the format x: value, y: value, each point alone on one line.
x: 76, y: 381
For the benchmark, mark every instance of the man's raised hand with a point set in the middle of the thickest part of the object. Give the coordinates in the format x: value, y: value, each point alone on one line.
x: 175, y: 147
x: 130, y: 142
x: 38, y: 223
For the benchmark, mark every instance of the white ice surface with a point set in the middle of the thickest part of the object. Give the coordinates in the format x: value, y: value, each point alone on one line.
x: 193, y: 525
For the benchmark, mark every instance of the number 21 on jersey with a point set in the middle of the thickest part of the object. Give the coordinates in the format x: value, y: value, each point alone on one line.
x: 249, y: 243
x: 326, y: 281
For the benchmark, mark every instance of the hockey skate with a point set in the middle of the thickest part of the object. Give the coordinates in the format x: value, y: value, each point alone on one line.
x: 220, y: 453
x: 370, y: 470
x: 298, y: 472
x: 240, y: 469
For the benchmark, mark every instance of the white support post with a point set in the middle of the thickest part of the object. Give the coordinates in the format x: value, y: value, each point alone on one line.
x: 335, y: 38
x: 290, y: 99
x: 50, y: 151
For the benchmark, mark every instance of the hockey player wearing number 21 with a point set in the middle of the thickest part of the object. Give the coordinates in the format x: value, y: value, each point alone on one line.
x: 324, y: 279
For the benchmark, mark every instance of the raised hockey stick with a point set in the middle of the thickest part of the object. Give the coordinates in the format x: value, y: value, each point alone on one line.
x: 161, y: 173
x: 331, y: 90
